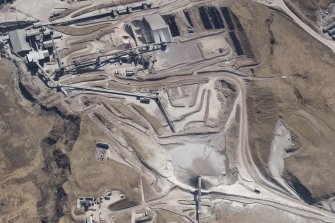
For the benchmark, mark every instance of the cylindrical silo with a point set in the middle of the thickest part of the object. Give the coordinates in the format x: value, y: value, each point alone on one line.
x: 330, y: 26
x: 331, y: 31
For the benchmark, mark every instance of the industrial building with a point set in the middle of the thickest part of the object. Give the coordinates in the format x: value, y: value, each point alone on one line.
x: 6, y: 1
x: 123, y: 9
x: 19, y: 42
x: 158, y: 30
x: 114, y: 12
x: 48, y: 44
x: 36, y: 56
x: 35, y: 44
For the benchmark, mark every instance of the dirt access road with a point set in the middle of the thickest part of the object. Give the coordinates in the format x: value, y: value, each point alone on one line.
x: 270, y: 194
x: 249, y: 171
x: 279, y: 4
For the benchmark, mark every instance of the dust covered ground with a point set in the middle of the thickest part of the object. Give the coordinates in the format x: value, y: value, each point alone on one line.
x: 50, y: 143
x: 304, y: 100
x: 250, y: 213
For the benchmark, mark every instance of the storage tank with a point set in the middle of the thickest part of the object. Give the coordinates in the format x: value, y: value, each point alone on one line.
x: 331, y: 31
x: 328, y: 27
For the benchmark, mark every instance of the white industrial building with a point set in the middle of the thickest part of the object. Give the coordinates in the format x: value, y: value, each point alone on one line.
x: 36, y: 56
x: 159, y: 31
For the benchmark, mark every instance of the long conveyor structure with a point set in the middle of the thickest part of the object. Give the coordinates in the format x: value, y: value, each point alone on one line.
x: 154, y: 97
x: 102, y: 60
x: 198, y: 199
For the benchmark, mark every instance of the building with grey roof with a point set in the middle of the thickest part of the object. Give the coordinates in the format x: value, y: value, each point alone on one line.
x: 159, y: 30
x: 19, y: 42
x: 48, y: 44
x: 33, y: 32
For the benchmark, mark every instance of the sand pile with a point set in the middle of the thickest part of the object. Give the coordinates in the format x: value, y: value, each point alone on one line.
x: 192, y: 160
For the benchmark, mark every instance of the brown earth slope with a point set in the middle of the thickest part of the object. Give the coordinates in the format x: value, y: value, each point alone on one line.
x: 48, y: 156
x: 19, y: 153
x: 306, y: 10
x: 305, y: 100
x: 91, y: 177
x: 33, y: 165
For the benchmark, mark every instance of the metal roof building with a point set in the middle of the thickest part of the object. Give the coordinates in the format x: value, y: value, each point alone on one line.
x: 35, y: 56
x: 33, y: 32
x: 18, y: 41
x: 159, y: 30
x: 48, y: 44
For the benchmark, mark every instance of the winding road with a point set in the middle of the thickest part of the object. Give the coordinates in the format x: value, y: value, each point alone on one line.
x: 248, y: 169
x: 270, y: 193
x: 280, y: 4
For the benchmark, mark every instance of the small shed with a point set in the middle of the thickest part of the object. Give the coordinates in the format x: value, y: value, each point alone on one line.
x: 129, y: 72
